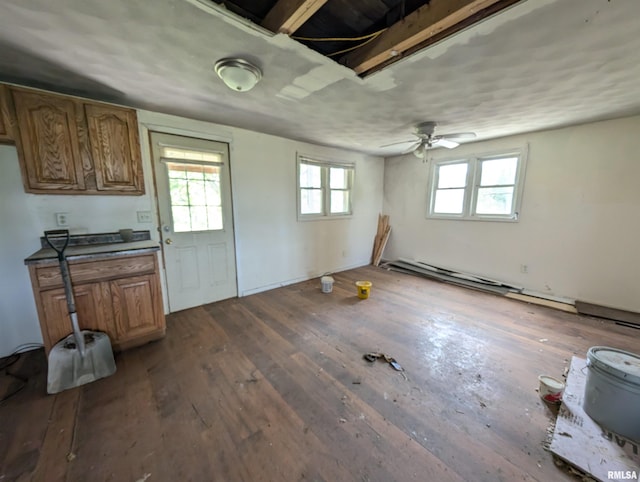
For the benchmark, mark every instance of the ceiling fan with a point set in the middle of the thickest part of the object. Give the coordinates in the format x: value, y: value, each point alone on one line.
x: 427, y: 140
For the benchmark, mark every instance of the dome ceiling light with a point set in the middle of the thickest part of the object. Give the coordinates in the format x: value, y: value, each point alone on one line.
x: 238, y: 74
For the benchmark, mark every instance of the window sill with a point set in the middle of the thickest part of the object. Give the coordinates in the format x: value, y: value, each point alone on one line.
x: 319, y: 217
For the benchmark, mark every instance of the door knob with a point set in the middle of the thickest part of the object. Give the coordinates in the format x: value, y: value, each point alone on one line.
x: 168, y: 241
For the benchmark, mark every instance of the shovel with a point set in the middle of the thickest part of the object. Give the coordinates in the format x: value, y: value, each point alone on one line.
x: 84, y: 356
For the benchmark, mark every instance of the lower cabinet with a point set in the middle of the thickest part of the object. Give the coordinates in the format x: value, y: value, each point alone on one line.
x: 134, y: 311
x: 90, y: 306
x: 117, y: 300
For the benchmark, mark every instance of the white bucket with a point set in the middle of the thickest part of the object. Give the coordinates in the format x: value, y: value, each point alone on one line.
x: 612, y: 390
x: 327, y: 284
x: 551, y: 389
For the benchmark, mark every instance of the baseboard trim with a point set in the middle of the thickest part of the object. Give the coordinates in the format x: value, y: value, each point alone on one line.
x: 280, y: 284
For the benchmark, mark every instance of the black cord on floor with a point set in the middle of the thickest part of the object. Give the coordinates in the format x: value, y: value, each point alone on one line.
x: 8, y: 361
x: 22, y: 385
x: 11, y: 360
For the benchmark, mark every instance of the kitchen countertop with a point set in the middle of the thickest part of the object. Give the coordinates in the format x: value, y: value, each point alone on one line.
x: 94, y: 251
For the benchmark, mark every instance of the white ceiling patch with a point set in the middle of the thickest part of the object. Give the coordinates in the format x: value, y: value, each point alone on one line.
x: 316, y: 79
x: 381, y: 81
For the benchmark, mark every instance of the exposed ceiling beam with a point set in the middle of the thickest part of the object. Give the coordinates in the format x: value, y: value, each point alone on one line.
x: 422, y: 24
x: 287, y: 16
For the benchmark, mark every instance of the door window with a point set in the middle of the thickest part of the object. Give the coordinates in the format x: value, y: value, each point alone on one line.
x: 194, y: 189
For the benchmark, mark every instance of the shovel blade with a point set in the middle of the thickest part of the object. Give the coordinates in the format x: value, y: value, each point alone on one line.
x: 69, y: 369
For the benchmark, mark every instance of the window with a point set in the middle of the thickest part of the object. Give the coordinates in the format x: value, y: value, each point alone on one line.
x: 485, y: 187
x: 324, y: 189
x: 194, y: 189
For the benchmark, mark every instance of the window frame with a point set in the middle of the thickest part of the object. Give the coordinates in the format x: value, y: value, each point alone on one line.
x: 474, y: 173
x: 325, y: 187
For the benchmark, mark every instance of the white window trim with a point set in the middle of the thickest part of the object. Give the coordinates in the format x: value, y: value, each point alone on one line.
x: 326, y: 190
x: 473, y: 183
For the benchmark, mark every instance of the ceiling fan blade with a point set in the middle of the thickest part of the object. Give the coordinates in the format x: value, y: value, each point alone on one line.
x: 459, y: 135
x: 396, y: 143
x: 445, y: 143
x: 413, y: 147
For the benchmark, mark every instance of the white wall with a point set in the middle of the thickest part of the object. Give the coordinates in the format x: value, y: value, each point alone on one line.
x: 579, y: 221
x: 273, y: 248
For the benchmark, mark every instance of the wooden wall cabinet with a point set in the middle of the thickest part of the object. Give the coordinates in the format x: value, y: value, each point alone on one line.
x: 48, y: 138
x: 6, y: 131
x: 72, y: 146
x: 115, y: 148
x: 120, y: 296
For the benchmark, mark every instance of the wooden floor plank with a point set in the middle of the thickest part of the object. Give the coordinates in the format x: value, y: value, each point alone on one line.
x: 273, y: 387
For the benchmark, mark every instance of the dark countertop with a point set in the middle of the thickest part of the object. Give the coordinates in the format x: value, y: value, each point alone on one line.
x: 94, y: 251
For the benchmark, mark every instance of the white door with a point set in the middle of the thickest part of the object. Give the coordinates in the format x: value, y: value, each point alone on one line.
x: 196, y: 223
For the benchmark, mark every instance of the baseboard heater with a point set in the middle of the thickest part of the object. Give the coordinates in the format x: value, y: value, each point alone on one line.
x: 622, y: 317
x: 477, y: 282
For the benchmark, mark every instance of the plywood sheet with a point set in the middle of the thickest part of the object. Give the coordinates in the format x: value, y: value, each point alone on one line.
x: 581, y: 442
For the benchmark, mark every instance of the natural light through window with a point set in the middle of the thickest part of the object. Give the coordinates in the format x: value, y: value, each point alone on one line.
x: 324, y: 189
x: 340, y: 190
x: 449, y: 196
x: 194, y: 189
x: 497, y: 184
x: 478, y: 187
x: 310, y: 189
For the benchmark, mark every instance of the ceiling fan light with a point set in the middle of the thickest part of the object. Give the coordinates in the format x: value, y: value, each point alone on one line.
x: 238, y: 74
x: 420, y: 151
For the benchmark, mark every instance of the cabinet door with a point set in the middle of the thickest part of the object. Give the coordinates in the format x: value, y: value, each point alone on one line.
x: 137, y: 306
x: 5, y: 126
x: 48, y: 140
x: 115, y: 148
x: 92, y: 306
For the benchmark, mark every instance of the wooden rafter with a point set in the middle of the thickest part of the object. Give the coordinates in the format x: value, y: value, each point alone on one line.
x: 287, y: 16
x: 422, y: 24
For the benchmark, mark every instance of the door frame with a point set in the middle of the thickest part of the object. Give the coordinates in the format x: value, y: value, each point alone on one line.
x: 146, y: 128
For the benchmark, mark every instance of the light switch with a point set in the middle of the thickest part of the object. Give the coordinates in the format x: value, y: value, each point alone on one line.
x: 144, y: 216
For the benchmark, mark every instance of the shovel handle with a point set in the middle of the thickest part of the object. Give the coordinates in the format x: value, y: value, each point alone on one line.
x: 58, y: 233
x: 66, y: 279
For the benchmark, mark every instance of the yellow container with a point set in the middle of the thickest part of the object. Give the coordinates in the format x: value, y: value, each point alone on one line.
x: 364, y: 287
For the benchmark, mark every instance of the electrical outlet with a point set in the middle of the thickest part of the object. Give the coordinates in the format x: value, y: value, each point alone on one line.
x: 62, y: 219
x: 524, y: 268
x: 144, y: 216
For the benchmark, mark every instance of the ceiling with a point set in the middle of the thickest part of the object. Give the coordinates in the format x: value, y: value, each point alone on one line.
x: 366, y: 35
x: 536, y: 65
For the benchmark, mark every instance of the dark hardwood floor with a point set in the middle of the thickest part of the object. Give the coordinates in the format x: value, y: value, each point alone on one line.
x: 273, y: 387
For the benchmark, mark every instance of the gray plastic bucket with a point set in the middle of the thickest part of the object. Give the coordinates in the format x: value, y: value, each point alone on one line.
x: 612, y: 390
x: 327, y: 284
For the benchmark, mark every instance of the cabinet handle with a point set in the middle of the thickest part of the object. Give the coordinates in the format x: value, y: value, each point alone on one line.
x: 168, y: 241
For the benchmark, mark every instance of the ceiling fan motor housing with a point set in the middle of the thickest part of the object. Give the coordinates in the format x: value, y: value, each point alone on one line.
x: 426, y: 128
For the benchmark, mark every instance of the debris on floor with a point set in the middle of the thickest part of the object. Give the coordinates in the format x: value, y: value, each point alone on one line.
x: 582, y: 443
x: 482, y: 283
x: 372, y: 357
x: 450, y: 276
